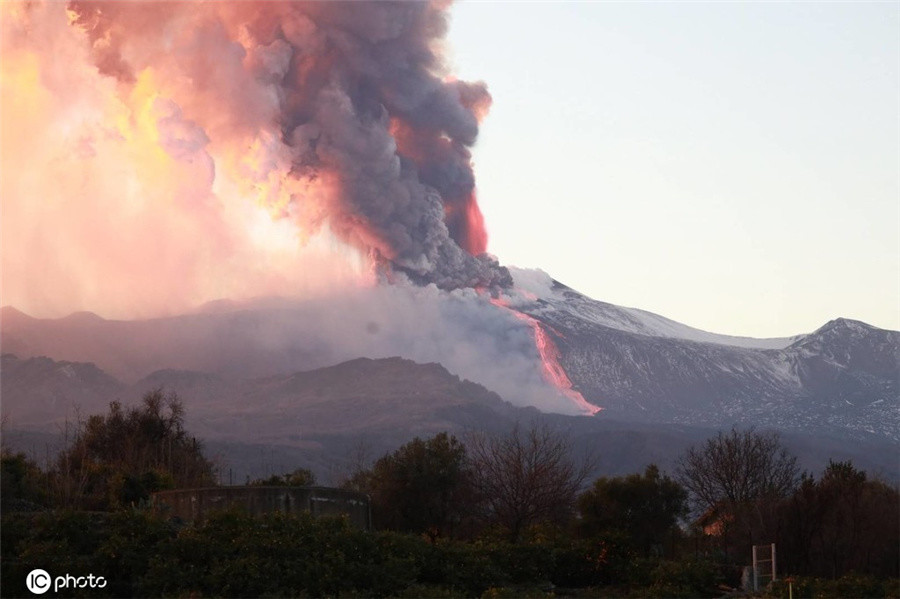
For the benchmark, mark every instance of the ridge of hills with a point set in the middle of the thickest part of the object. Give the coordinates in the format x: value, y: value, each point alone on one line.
x: 842, y: 379
x: 261, y: 374
x: 331, y: 418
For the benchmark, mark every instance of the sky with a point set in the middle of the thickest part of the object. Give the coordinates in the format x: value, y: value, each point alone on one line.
x: 732, y: 166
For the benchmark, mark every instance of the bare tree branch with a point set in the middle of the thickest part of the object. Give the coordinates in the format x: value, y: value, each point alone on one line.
x: 526, y: 476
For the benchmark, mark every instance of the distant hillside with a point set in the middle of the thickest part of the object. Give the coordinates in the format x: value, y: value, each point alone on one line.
x: 40, y: 392
x: 842, y: 380
x: 329, y: 419
x: 241, y: 343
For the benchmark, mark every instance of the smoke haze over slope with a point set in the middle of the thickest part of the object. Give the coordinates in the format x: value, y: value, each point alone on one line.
x: 460, y: 329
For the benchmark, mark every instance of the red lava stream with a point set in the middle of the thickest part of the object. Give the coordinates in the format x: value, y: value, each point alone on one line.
x: 552, y: 370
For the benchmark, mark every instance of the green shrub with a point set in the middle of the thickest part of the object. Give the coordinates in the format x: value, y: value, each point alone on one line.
x: 417, y: 591
x: 591, y: 562
x: 235, y: 555
x: 116, y: 546
x: 851, y: 585
x: 470, y: 569
x: 130, y: 541
x: 686, y: 578
x: 522, y: 563
x: 515, y: 593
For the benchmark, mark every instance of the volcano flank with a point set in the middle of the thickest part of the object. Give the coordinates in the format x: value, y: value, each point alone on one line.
x: 273, y: 206
x: 832, y: 392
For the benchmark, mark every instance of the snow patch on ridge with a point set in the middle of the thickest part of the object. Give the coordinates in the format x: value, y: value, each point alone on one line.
x: 553, y: 296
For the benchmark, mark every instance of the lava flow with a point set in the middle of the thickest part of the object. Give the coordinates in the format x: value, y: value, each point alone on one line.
x: 552, y: 370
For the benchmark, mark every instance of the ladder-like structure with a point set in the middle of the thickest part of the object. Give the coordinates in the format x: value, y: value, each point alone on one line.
x: 763, y: 565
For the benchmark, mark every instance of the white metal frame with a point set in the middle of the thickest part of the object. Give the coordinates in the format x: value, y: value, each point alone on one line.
x: 757, y: 563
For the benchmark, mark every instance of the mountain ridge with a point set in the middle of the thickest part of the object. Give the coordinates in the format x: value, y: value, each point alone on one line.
x: 255, y: 427
x: 841, y: 379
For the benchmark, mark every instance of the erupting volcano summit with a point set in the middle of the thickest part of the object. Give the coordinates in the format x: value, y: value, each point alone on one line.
x: 184, y: 148
x: 349, y: 97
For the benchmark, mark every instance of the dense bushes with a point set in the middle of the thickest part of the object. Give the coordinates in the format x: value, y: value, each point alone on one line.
x: 840, y: 524
x: 24, y: 484
x: 117, y: 546
x: 643, y: 509
x: 424, y: 487
x: 235, y: 555
x: 117, y: 459
x: 851, y: 585
x: 687, y: 578
x: 111, y: 461
x: 439, y: 537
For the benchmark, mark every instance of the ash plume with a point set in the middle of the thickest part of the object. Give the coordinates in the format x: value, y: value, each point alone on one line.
x: 184, y: 152
x: 355, y: 96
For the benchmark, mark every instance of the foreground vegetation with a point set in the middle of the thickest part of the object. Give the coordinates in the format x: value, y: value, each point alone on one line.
x: 234, y: 555
x: 511, y: 515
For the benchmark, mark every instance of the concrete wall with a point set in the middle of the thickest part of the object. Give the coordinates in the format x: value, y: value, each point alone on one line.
x: 195, y: 504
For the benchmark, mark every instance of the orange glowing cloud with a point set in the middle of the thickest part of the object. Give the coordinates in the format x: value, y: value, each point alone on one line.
x: 115, y: 201
x: 184, y: 152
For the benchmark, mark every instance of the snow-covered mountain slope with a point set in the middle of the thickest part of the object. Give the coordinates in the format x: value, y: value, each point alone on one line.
x: 843, y: 378
x: 559, y: 302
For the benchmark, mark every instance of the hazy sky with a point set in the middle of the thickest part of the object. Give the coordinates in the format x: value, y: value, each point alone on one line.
x: 732, y: 166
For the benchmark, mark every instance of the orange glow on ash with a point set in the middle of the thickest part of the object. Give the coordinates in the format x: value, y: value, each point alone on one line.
x: 462, y: 214
x: 476, y: 238
x: 466, y: 224
x: 552, y: 370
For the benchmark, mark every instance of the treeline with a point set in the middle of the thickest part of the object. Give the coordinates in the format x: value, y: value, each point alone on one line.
x: 111, y: 461
x: 749, y: 491
x: 739, y: 489
x: 514, y: 514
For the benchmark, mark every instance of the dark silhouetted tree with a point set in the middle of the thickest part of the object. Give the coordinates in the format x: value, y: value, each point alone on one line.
x: 738, y: 478
x: 842, y: 523
x: 644, y: 509
x: 23, y: 486
x: 301, y: 477
x: 121, y: 457
x: 738, y: 467
x: 423, y: 487
x: 526, y: 477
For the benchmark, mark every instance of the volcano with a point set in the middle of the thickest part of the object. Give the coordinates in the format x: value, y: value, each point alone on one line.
x: 842, y: 379
x: 319, y: 155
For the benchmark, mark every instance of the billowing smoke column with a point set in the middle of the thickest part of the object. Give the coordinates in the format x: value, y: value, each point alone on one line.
x: 158, y: 155
x: 354, y: 96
